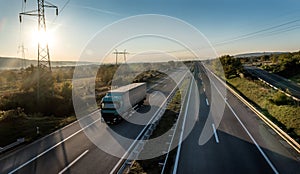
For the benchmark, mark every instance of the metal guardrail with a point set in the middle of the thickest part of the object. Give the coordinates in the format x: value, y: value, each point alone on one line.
x: 174, y: 132
x: 279, y: 131
x: 274, y: 87
x: 14, y: 144
x: 294, y: 144
x: 138, y: 147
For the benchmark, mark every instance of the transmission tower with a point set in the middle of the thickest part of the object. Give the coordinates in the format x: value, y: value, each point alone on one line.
x: 44, y: 63
x: 120, y: 52
x: 43, y: 49
x: 21, y: 49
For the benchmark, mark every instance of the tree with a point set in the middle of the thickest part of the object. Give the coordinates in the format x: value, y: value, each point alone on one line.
x: 36, y: 80
x: 66, y: 91
x: 232, y: 66
x: 265, y: 58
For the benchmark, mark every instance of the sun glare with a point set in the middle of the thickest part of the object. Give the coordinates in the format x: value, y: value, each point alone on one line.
x: 42, y: 38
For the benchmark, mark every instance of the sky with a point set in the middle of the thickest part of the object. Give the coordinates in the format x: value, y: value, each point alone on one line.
x: 231, y: 26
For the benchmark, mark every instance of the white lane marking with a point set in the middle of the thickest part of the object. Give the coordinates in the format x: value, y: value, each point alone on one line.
x: 182, y: 130
x: 57, y: 144
x: 73, y: 162
x: 207, y: 103
x: 244, y: 127
x: 154, y: 94
x: 140, y: 134
x: 215, y: 132
x: 258, y: 147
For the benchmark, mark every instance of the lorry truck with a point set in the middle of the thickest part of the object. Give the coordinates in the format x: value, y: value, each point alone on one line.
x: 117, y: 102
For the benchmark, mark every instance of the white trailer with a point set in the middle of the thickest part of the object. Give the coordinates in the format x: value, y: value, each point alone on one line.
x: 118, y: 101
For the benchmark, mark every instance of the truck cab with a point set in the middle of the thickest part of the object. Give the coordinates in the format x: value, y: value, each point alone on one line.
x: 110, y: 105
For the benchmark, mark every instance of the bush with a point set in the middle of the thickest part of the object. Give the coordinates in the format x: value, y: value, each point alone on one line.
x: 280, y: 98
x: 48, y: 105
x: 12, y: 115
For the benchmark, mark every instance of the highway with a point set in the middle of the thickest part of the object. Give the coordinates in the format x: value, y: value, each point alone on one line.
x: 69, y: 150
x: 275, y: 80
x: 241, y: 144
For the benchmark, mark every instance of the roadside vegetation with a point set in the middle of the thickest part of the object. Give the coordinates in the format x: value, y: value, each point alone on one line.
x: 279, y: 108
x: 295, y: 78
x: 24, y: 106
x: 167, y: 121
x: 286, y: 65
x: 23, y: 111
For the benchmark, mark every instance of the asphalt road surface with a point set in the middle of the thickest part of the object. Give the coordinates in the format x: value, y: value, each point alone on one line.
x: 69, y: 150
x: 241, y: 143
x: 275, y: 80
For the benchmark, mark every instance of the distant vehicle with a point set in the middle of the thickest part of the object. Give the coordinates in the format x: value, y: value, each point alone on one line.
x: 119, y: 101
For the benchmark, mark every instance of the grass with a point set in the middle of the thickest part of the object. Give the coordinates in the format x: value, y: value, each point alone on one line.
x: 12, y: 129
x: 285, y: 116
x: 166, y: 122
x: 296, y: 79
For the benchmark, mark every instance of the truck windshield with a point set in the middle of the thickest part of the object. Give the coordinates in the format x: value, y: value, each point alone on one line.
x: 110, y: 105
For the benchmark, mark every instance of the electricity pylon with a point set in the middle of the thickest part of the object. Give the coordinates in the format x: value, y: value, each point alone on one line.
x: 43, y: 49
x: 120, y: 52
x: 21, y: 49
x: 44, y: 64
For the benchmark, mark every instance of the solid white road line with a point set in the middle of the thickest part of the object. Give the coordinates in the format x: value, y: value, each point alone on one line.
x: 182, y: 130
x: 215, y: 132
x: 140, y: 134
x: 258, y: 147
x: 73, y: 162
x: 246, y: 130
x: 49, y: 149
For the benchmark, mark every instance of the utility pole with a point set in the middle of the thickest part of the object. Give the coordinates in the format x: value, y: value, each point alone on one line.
x: 120, y: 52
x: 44, y: 64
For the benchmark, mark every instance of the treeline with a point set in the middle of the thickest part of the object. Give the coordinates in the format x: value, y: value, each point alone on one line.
x: 49, y: 96
x: 22, y: 91
x: 232, y: 67
x: 286, y: 65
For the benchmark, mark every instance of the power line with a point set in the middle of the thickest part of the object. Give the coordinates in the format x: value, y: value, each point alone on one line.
x: 61, y: 10
x: 252, y: 34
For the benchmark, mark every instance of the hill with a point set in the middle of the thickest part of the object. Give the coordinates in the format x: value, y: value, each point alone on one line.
x: 257, y: 54
x: 17, y: 63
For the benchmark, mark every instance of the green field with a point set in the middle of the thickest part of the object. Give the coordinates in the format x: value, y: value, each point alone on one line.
x: 286, y: 116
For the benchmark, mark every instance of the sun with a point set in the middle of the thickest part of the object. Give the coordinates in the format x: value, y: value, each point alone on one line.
x: 42, y: 37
